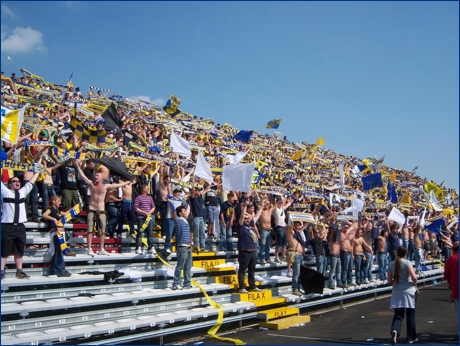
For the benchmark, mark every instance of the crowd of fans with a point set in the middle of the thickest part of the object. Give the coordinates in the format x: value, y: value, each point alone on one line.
x: 290, y: 177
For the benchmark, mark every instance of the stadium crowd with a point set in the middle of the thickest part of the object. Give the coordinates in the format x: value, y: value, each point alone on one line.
x: 303, y: 196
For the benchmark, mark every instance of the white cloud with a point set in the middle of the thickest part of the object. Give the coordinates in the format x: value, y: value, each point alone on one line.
x: 158, y: 101
x: 22, y: 40
x: 6, y: 11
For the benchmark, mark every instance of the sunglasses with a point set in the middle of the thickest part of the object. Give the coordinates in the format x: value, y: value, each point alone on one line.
x: 15, y: 181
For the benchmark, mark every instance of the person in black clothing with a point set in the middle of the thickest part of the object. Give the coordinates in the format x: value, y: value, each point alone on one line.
x: 247, y: 255
x: 69, y: 184
x: 316, y: 241
x: 227, y: 218
x: 53, y: 215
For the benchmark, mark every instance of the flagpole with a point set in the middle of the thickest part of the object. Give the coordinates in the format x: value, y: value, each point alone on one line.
x: 9, y: 59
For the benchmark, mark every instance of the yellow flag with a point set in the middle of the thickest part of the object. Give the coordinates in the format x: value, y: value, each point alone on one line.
x: 297, y: 155
x: 320, y: 141
x: 406, y: 198
x: 11, y: 124
x: 393, y: 177
x: 430, y: 186
x: 367, y: 162
x: 447, y: 212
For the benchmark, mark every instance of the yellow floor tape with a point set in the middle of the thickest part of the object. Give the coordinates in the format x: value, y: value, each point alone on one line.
x: 212, y: 332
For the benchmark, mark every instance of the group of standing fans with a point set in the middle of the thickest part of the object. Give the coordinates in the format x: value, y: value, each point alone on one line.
x: 189, y: 211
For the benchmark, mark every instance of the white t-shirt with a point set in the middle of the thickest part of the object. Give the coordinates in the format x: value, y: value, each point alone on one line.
x: 279, y: 215
x: 9, y: 208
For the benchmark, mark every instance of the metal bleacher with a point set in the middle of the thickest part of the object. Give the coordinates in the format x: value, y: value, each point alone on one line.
x: 139, y: 303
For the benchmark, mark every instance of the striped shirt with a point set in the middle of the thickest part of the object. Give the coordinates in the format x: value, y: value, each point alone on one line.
x: 144, y: 203
x: 182, y: 229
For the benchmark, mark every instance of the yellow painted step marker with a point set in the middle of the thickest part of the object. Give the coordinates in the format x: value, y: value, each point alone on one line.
x: 286, y: 322
x: 208, y: 263
x: 271, y: 314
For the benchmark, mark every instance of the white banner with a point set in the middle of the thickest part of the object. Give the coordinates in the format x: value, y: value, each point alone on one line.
x: 238, y: 177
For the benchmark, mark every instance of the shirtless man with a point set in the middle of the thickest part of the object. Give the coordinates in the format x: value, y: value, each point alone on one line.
x: 366, y: 267
x: 347, y: 234
x: 105, y: 173
x: 417, y: 249
x: 358, y: 253
x: 426, y: 243
x: 382, y: 254
x: 127, y: 208
x: 265, y: 231
x: 334, y: 258
x: 96, y: 212
x: 163, y: 191
x: 405, y: 236
x: 297, y: 240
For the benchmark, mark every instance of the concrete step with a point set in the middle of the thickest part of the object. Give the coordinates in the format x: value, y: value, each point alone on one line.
x: 286, y: 322
x: 276, y: 313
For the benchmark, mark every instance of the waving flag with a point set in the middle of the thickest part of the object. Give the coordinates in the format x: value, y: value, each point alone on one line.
x: 436, y: 226
x: 202, y: 169
x: 320, y: 141
x: 179, y: 145
x: 11, y: 124
x: 243, y: 136
x: 69, y: 82
x: 372, y: 181
x: 238, y: 177
x: 172, y: 106
x: 273, y: 124
x: 392, y: 193
x: 397, y: 216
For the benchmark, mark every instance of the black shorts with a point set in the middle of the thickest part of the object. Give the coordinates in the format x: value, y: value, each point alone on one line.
x: 13, y: 239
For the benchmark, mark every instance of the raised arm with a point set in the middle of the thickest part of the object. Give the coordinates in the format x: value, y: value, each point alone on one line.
x: 82, y: 175
x: 243, y: 213
x: 257, y: 216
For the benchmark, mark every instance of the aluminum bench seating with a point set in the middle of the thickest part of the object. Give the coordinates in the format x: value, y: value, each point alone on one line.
x: 102, y: 299
x: 87, y: 330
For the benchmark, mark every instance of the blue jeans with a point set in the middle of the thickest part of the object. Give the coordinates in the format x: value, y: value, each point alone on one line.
x: 112, y: 216
x: 226, y: 243
x: 47, y: 192
x: 296, y: 272
x: 410, y: 250
x: 126, y: 213
x: 281, y: 238
x: 320, y: 266
x: 358, y: 264
x: 199, y: 232
x: 168, y: 232
x: 366, y: 266
x: 418, y: 259
x: 148, y: 231
x: 345, y: 260
x: 406, y: 245
x: 265, y: 243
x: 184, y: 263
x: 382, y: 259
x: 57, y: 262
x: 163, y: 212
x: 335, y: 269
x: 410, y: 322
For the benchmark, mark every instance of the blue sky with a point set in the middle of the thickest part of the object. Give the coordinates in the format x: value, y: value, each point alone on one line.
x: 372, y: 78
